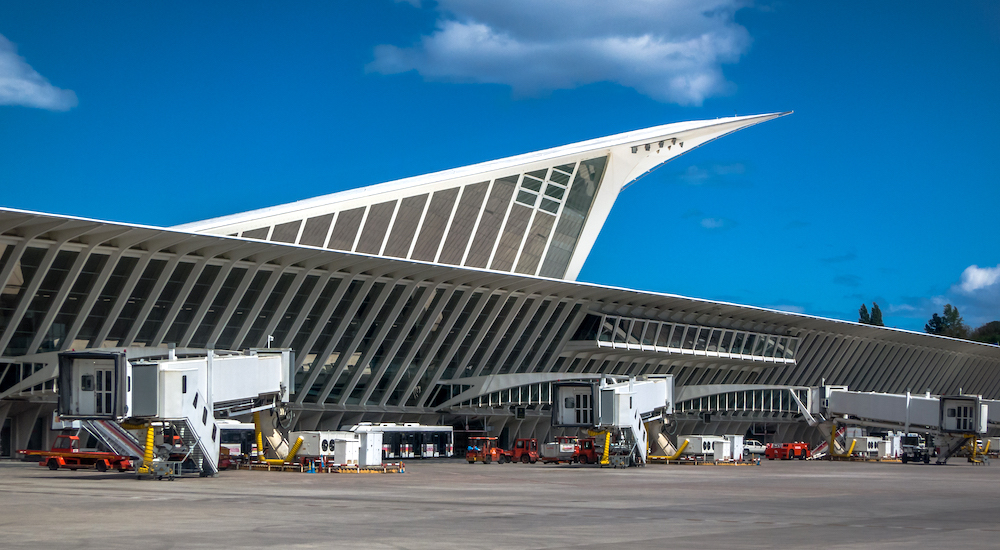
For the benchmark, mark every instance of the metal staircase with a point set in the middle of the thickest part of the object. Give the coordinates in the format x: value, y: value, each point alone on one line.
x: 114, y: 437
x: 199, y: 434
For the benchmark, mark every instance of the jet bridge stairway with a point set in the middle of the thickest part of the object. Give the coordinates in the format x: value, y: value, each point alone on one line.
x: 634, y: 432
x: 198, y: 451
x: 114, y: 437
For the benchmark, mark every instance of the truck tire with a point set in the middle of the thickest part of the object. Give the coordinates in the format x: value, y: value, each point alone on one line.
x: 53, y: 464
x: 904, y: 458
x: 102, y: 466
x: 525, y: 459
x: 927, y: 458
x: 583, y: 459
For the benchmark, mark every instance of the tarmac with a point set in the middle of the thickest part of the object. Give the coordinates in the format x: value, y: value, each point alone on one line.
x: 452, y: 504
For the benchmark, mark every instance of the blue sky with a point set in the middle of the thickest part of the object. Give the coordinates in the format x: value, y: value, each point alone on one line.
x: 882, y: 186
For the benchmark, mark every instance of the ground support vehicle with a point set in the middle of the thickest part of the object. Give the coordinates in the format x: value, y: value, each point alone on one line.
x: 570, y: 449
x: 237, y: 444
x: 914, y: 449
x: 410, y: 440
x: 787, y: 451
x: 525, y: 451
x: 485, y: 450
x: 752, y: 446
x: 66, y: 453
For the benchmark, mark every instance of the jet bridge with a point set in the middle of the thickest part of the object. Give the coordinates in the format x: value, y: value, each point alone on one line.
x: 171, y: 404
x: 619, y: 406
x: 951, y: 419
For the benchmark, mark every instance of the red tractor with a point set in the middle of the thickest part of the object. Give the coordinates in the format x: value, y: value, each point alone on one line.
x: 787, y: 451
x: 66, y: 453
x: 525, y: 451
x: 485, y: 450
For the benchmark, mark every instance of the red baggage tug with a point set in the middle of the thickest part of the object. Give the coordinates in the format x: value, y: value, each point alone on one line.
x: 66, y: 453
x: 787, y: 451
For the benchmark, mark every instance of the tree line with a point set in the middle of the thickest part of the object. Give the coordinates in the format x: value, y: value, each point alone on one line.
x: 949, y: 323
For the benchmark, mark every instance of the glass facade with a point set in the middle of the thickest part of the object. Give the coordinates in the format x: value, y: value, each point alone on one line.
x: 32, y: 318
x: 574, y: 214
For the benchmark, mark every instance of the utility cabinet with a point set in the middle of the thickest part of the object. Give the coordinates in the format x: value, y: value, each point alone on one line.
x: 346, y: 451
x: 370, y: 448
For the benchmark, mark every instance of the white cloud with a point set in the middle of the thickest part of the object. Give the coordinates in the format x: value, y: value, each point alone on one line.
x: 976, y: 295
x: 717, y: 223
x: 670, y: 50
x: 22, y: 85
x: 697, y: 175
x: 975, y: 277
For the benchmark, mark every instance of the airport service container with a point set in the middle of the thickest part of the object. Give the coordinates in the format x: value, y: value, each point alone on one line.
x: 736, y: 446
x: 370, y: 448
x: 722, y: 449
x: 885, y: 449
x: 699, y: 445
x: 563, y: 450
x: 866, y: 446
x: 346, y: 451
x: 319, y: 443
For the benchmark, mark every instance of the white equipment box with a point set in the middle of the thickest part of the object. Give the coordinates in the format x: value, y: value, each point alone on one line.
x: 370, y: 448
x: 319, y: 443
x: 346, y: 451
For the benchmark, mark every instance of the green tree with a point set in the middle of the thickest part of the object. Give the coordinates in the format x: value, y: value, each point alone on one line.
x: 875, y: 318
x: 935, y: 325
x: 876, y: 315
x: 950, y: 324
x: 988, y: 333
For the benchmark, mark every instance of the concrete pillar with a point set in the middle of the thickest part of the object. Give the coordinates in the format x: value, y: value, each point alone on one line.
x: 4, y: 409
x: 23, y: 424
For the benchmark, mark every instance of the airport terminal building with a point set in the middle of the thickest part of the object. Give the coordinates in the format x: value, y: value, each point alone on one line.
x: 446, y: 298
